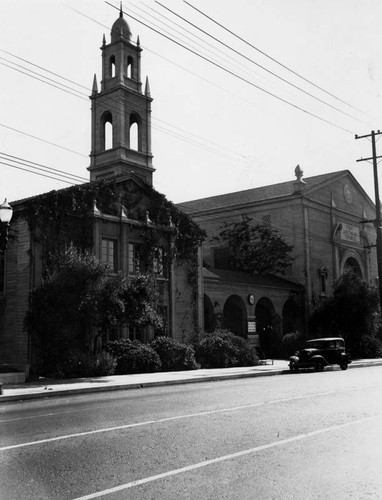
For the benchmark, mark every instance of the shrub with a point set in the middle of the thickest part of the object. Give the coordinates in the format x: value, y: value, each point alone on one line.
x: 105, y: 364
x: 133, y: 357
x: 367, y: 347
x: 77, y: 364
x: 174, y: 355
x: 223, y: 349
x: 291, y: 342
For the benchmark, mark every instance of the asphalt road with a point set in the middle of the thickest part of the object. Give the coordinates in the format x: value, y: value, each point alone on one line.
x: 299, y: 436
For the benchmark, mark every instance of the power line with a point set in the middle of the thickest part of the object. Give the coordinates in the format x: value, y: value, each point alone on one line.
x: 37, y: 173
x: 257, y: 64
x: 44, y: 69
x: 117, y: 110
x: 43, y: 140
x: 40, y: 166
x: 41, y: 80
x: 218, y: 54
x: 285, y: 101
x: 272, y: 58
x: 215, y: 50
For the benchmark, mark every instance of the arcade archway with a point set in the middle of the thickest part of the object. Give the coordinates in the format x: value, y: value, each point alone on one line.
x: 265, y: 325
x: 235, y: 316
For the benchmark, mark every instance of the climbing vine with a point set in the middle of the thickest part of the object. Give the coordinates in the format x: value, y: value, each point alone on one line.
x: 58, y: 217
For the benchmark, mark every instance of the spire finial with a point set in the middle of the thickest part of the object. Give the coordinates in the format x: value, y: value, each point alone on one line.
x: 95, y: 86
x: 120, y: 10
x: 147, y: 87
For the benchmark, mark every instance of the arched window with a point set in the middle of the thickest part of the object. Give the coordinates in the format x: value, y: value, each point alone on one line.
x: 106, y: 131
x: 112, y: 66
x: 134, y: 133
x: 130, y: 65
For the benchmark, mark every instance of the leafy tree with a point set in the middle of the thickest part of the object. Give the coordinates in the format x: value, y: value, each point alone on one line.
x: 255, y: 248
x: 352, y: 312
x: 79, y: 297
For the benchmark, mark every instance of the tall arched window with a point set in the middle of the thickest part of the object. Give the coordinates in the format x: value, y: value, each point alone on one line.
x: 134, y: 133
x: 112, y: 66
x: 106, y: 131
x: 130, y: 65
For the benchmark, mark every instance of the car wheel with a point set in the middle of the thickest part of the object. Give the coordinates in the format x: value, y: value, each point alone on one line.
x: 344, y: 366
x: 319, y: 367
x: 293, y: 368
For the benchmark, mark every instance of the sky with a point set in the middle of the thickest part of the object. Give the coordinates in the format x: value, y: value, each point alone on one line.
x: 302, y: 79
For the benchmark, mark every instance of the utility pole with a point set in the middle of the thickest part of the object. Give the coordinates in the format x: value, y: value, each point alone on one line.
x: 377, y: 221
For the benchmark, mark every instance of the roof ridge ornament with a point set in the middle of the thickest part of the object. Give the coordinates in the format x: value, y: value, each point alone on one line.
x: 298, y: 172
x: 299, y: 184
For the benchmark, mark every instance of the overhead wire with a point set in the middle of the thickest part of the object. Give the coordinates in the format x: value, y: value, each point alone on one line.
x: 42, y: 80
x: 43, y: 140
x: 194, y: 140
x: 270, y: 57
x: 81, y: 95
x: 285, y: 101
x: 257, y: 64
x: 18, y: 167
x: 44, y: 69
x: 216, y: 52
x: 219, y: 55
x: 37, y: 173
x: 77, y: 178
x: 61, y: 174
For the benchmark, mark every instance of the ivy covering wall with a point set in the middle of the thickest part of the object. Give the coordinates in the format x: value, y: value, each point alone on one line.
x: 59, y: 217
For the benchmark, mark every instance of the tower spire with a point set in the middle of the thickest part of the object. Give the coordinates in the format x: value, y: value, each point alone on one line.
x: 121, y: 111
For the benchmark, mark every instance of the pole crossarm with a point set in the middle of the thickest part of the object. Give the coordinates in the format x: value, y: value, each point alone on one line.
x: 368, y: 135
x: 368, y: 159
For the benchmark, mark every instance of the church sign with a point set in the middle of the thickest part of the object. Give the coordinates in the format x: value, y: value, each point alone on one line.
x: 350, y: 233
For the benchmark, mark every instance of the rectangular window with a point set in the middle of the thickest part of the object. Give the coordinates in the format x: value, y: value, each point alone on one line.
x: 134, y: 258
x: 136, y: 333
x: 160, y: 262
x: 109, y: 252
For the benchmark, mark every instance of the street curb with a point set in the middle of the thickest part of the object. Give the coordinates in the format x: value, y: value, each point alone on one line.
x: 141, y: 385
x: 159, y: 383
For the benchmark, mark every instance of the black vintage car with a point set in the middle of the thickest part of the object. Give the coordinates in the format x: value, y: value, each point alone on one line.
x: 319, y: 353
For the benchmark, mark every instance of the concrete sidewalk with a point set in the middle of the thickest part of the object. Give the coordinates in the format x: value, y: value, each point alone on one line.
x: 44, y: 388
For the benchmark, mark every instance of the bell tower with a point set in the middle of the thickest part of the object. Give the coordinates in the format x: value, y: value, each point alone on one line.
x: 121, y: 113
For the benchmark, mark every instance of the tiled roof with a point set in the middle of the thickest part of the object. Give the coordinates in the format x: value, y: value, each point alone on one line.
x: 256, y: 194
x: 267, y: 280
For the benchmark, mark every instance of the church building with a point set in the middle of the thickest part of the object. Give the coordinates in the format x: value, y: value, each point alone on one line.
x: 118, y: 215
x: 328, y: 221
